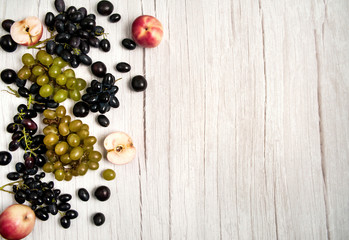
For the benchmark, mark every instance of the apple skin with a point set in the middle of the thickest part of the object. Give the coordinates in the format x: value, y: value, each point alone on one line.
x: 16, y: 222
x: 27, y: 32
x: 147, y: 31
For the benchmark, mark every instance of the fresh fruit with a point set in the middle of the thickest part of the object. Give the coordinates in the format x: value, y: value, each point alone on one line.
x: 83, y: 194
x: 139, y: 83
x: 27, y: 32
x: 8, y: 76
x: 81, y: 109
x: 108, y: 174
x: 5, y: 158
x: 102, y: 193
x: 6, y: 24
x: 123, y: 67
x: 98, y: 219
x: 7, y: 43
x: 114, y: 18
x: 147, y: 31
x: 105, y: 8
x: 103, y: 120
x: 98, y: 69
x: 104, y: 44
x: 128, y: 44
x: 16, y: 222
x: 120, y: 148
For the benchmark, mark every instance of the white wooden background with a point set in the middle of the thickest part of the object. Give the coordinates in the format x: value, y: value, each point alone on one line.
x: 243, y: 132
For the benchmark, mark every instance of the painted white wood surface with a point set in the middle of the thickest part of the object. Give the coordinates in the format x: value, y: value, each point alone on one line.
x: 242, y: 133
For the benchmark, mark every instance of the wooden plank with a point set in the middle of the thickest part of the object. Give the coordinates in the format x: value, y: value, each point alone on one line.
x: 331, y: 35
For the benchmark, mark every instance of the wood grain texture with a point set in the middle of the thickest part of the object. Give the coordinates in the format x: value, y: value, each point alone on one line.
x: 242, y: 132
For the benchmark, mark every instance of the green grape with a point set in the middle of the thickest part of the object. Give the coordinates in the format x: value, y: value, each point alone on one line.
x: 48, y: 167
x: 32, y: 77
x: 76, y: 153
x: 95, y: 156
x: 61, y: 79
x: 80, y: 84
x: 49, y: 114
x: 51, y: 139
x: 54, y: 71
x: 68, y: 176
x: 82, y: 169
x: 46, y: 59
x: 65, y: 158
x: 88, y: 149
x: 40, y: 54
x: 109, y: 174
x: 46, y: 90
x: 69, y: 73
x: 61, y: 148
x: 61, y: 111
x: 57, y: 165
x: 38, y: 70
x: 24, y: 73
x: 91, y: 140
x: 59, y: 175
x: 63, y: 129
x: 66, y: 119
x: 74, y: 95
x: 75, y: 125
x: 74, y: 172
x: 71, y: 83
x: 85, y: 126
x: 28, y: 59
x: 42, y: 79
x: 59, y: 62
x: 93, y: 165
x: 60, y: 96
x: 83, y: 133
x: 50, y: 129
x: 73, y: 140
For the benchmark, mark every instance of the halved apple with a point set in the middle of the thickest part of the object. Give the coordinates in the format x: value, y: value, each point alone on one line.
x: 27, y: 32
x: 120, y: 148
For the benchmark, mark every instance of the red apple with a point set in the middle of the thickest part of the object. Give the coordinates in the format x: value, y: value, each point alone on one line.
x: 27, y: 32
x: 147, y: 31
x: 120, y: 148
x: 16, y: 222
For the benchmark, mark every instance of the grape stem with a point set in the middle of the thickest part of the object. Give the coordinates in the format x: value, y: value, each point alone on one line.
x: 12, y: 91
x: 41, y: 42
x: 9, y: 184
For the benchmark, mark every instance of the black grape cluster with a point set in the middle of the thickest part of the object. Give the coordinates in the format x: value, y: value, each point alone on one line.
x: 76, y: 33
x: 42, y: 196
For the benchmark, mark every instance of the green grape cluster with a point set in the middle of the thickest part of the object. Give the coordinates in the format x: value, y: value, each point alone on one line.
x: 70, y: 146
x: 48, y: 73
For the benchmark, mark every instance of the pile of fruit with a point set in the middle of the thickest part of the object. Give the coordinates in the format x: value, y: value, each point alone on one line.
x: 65, y: 147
